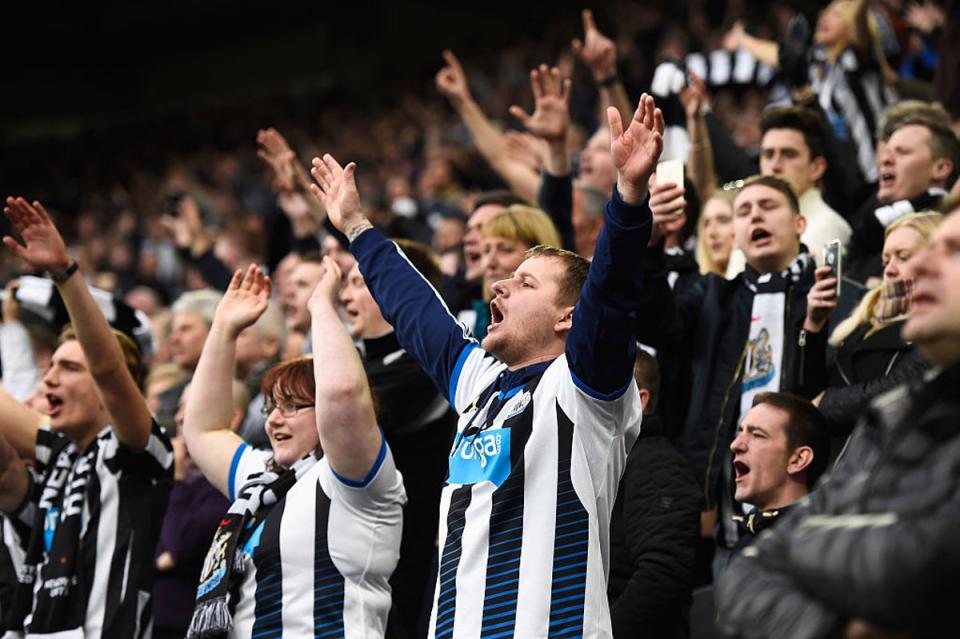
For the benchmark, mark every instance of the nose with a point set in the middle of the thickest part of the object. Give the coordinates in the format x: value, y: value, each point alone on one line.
x: 892, y: 271
x: 738, y: 445
x: 500, y: 288
x: 51, y: 378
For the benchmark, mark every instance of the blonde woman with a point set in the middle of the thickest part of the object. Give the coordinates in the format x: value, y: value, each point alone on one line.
x: 507, y: 237
x: 870, y: 354
x: 715, y: 234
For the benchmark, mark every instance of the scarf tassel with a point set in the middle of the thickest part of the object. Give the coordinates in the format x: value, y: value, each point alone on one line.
x: 210, y: 619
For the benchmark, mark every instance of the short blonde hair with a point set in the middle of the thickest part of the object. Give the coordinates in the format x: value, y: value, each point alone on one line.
x: 525, y: 224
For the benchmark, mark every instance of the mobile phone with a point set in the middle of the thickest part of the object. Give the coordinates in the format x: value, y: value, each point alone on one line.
x: 171, y: 203
x: 833, y: 257
x: 670, y: 171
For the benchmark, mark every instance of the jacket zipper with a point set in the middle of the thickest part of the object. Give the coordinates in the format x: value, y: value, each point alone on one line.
x: 723, y: 410
x: 802, y: 343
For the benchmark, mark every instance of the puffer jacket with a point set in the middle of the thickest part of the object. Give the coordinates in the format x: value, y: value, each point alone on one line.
x: 706, y: 328
x: 654, y: 529
x: 878, y: 541
x: 863, y: 368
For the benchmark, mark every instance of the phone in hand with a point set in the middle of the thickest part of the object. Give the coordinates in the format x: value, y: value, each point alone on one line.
x: 670, y: 171
x: 833, y: 257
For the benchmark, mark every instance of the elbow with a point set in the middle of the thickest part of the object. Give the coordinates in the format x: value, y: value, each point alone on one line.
x: 342, y: 392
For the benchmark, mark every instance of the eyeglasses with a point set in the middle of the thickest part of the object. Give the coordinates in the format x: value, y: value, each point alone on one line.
x: 287, y: 409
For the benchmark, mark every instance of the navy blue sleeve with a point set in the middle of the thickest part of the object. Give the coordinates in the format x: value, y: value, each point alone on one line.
x: 424, y: 326
x: 556, y: 199
x: 601, y: 348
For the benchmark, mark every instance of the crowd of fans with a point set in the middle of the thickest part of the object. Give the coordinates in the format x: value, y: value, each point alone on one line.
x: 217, y: 372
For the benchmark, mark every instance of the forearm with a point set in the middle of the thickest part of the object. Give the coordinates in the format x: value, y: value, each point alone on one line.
x: 20, y: 374
x: 488, y: 139
x: 556, y: 200
x: 615, y: 95
x: 346, y: 422
x: 423, y: 325
x: 211, y: 268
x: 19, y: 424
x: 766, y: 51
x: 700, y: 158
x: 121, y: 395
x: 601, y: 348
x: 206, y: 424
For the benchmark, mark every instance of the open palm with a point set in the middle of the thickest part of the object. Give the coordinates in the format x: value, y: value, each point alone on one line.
x: 551, y: 115
x: 247, y: 297
x: 636, y: 149
x: 336, y: 189
x: 42, y: 245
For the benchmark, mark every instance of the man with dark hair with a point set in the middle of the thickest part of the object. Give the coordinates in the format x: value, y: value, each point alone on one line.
x: 781, y: 449
x: 873, y: 552
x: 654, y: 527
x: 918, y: 163
x: 548, y: 407
x: 794, y: 147
x: 731, y: 333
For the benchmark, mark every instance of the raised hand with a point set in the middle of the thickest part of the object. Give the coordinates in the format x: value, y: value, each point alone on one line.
x: 821, y: 300
x: 327, y: 290
x: 733, y: 39
x: 597, y: 51
x: 694, y: 96
x: 551, y: 97
x: 186, y: 227
x: 452, y: 81
x: 42, y: 246
x: 276, y: 152
x: 336, y: 189
x: 526, y: 149
x: 246, y: 299
x: 636, y: 149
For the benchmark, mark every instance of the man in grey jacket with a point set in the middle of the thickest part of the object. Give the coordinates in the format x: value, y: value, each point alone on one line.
x: 874, y: 551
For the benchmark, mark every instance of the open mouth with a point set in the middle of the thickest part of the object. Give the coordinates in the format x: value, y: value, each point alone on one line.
x: 281, y: 437
x: 740, y: 470
x: 760, y: 235
x: 496, y: 315
x: 887, y: 179
x: 55, y: 405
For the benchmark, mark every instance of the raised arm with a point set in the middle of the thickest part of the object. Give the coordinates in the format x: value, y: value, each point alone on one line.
x: 291, y: 183
x: 346, y: 420
x: 44, y: 248
x: 19, y: 424
x: 423, y: 324
x: 601, y: 348
x: 766, y: 51
x: 206, y: 423
x: 700, y: 165
x: 599, y: 54
x: 452, y: 83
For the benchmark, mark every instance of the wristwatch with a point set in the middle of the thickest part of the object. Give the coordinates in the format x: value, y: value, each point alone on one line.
x: 64, y: 275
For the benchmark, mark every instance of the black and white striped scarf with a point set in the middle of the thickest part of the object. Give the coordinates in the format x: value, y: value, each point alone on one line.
x: 223, y: 568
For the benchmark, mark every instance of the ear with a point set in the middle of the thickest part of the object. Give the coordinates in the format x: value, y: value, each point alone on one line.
x: 942, y: 168
x: 644, y: 398
x: 799, y: 460
x: 565, y: 323
x: 801, y: 224
x: 818, y: 169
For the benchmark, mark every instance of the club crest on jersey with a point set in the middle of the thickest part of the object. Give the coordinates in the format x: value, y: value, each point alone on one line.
x: 519, y: 406
x: 481, y: 457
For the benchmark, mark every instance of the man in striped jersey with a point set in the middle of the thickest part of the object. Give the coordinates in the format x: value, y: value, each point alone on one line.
x: 548, y: 407
x: 104, y: 468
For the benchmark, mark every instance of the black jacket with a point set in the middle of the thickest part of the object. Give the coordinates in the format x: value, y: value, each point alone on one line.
x: 877, y: 541
x: 863, y: 368
x: 654, y: 530
x: 707, y: 326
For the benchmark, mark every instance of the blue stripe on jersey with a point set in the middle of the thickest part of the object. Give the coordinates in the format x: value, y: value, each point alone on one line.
x: 232, y: 476
x: 268, y: 606
x: 503, y: 564
x: 570, y: 545
x: 457, y: 369
x: 450, y: 562
x: 605, y: 397
x: 327, y: 580
x: 373, y: 469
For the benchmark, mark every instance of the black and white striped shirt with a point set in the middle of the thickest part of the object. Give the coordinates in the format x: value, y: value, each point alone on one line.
x: 124, y: 496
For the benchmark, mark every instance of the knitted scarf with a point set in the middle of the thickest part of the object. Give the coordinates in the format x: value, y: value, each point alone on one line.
x: 223, y: 569
x: 59, y: 606
x: 894, y: 302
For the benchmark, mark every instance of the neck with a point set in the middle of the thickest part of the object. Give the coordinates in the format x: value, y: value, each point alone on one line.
x: 536, y: 360
x: 790, y: 494
x: 943, y: 352
x: 84, y: 438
